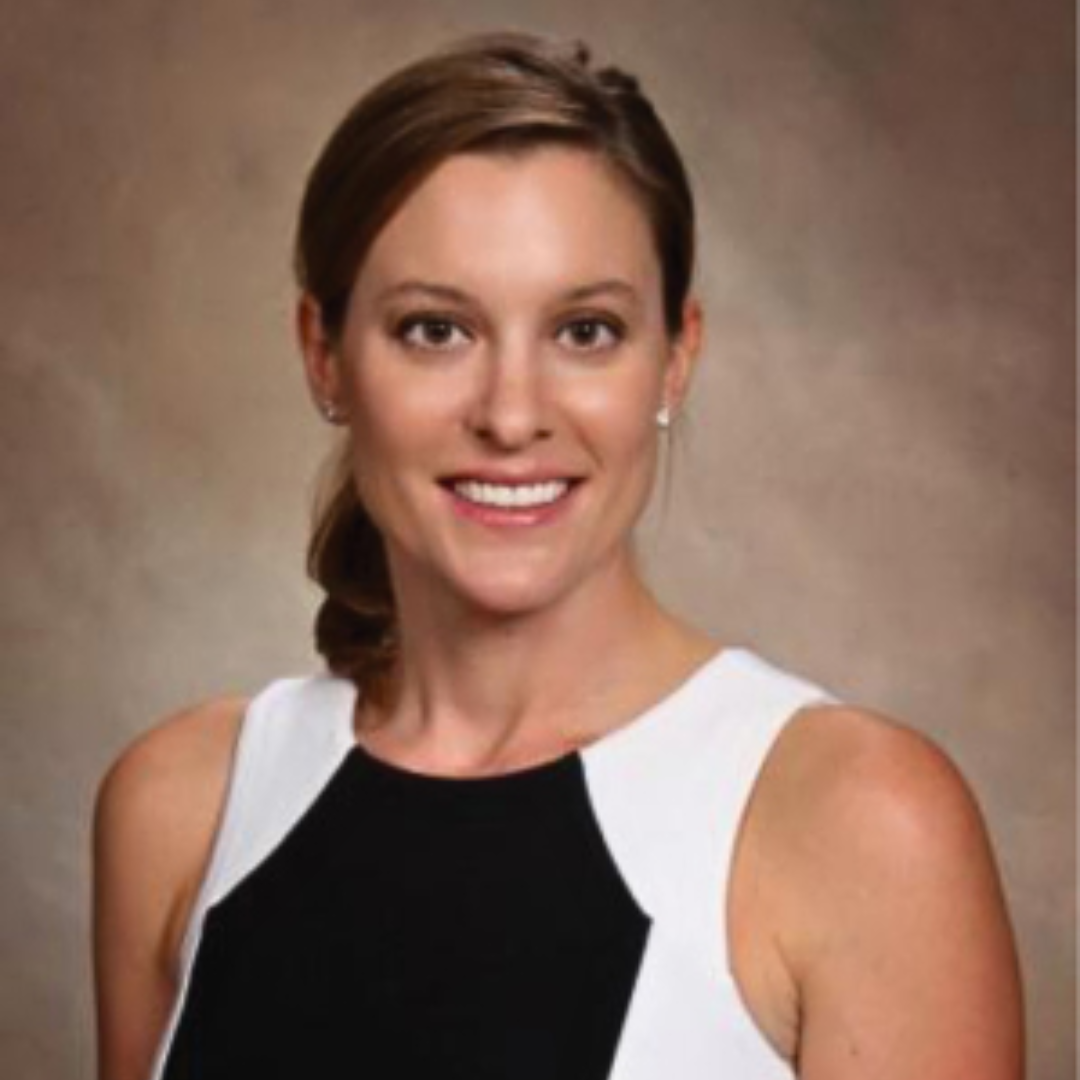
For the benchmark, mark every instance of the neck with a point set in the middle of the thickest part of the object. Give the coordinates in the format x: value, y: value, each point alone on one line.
x: 474, y: 688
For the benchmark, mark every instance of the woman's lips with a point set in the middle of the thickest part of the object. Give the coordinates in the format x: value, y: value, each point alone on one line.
x: 512, y: 516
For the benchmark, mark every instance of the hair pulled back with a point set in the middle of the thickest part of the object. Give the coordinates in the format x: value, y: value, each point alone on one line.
x: 494, y: 93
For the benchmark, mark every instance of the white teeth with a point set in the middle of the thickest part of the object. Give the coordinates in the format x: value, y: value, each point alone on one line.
x: 511, y: 495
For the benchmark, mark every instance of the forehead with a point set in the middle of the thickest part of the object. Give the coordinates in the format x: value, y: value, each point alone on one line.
x: 546, y: 217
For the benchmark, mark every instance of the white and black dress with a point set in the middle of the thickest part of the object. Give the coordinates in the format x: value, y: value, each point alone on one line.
x: 561, y: 922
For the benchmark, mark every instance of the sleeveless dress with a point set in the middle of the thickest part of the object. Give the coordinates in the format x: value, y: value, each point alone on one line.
x: 560, y: 922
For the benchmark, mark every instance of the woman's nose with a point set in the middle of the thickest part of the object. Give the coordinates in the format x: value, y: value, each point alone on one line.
x: 511, y: 409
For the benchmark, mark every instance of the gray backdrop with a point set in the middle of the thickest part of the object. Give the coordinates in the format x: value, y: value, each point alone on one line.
x: 874, y: 487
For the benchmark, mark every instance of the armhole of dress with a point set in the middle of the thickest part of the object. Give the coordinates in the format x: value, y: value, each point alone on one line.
x: 229, y: 830
x: 782, y: 701
x: 793, y: 695
x: 756, y: 753
x: 790, y: 697
x: 228, y: 836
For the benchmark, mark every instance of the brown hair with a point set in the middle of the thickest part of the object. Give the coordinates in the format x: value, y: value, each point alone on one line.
x: 496, y: 93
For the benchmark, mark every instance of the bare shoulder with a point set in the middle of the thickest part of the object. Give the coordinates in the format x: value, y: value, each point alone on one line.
x: 859, y: 778
x: 890, y: 911
x: 171, y: 773
x: 158, y: 805
x: 839, y: 752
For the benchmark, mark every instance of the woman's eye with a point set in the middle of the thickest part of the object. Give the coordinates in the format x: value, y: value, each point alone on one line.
x: 430, y: 332
x: 593, y: 333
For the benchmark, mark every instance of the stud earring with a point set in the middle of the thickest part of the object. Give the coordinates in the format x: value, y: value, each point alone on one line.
x: 663, y: 418
x: 329, y: 411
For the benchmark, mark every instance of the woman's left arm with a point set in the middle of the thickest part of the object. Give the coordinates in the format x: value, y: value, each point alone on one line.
x: 902, y: 948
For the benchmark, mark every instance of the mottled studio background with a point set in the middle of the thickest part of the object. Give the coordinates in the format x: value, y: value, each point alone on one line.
x: 875, y: 485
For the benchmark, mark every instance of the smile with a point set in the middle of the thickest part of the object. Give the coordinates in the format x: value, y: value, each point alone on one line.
x: 509, y: 496
x: 512, y: 505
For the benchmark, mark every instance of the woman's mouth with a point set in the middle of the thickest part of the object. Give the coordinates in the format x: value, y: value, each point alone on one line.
x: 514, y: 504
x: 511, y: 495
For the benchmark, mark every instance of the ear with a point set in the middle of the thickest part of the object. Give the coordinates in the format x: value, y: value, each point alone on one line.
x: 683, y: 356
x: 321, y: 362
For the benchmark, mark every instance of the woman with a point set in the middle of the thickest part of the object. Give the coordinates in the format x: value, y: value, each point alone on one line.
x: 510, y: 833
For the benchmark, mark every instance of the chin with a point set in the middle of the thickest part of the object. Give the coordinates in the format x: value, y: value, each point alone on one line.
x: 513, y: 594
x: 511, y: 601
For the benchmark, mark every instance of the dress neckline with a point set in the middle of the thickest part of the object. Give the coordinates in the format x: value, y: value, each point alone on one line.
x: 538, y: 772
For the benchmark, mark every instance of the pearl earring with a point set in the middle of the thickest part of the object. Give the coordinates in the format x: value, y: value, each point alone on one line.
x: 330, y: 412
x: 663, y: 418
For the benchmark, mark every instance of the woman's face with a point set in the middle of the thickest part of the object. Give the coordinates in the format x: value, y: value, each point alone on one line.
x: 502, y: 361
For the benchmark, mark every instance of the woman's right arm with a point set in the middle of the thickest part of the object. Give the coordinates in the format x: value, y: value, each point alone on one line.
x: 155, y: 818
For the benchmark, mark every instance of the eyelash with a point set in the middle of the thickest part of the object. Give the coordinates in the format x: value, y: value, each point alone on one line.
x: 613, y: 326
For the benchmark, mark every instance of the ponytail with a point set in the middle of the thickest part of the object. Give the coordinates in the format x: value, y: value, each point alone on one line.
x: 355, y: 627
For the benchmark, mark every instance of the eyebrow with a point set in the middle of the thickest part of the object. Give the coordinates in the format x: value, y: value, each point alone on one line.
x: 455, y: 295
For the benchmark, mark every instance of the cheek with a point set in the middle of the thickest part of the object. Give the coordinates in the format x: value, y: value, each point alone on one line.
x: 620, y: 415
x: 398, y: 414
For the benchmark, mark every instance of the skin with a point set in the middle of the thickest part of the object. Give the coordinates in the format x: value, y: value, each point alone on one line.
x: 866, y: 923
